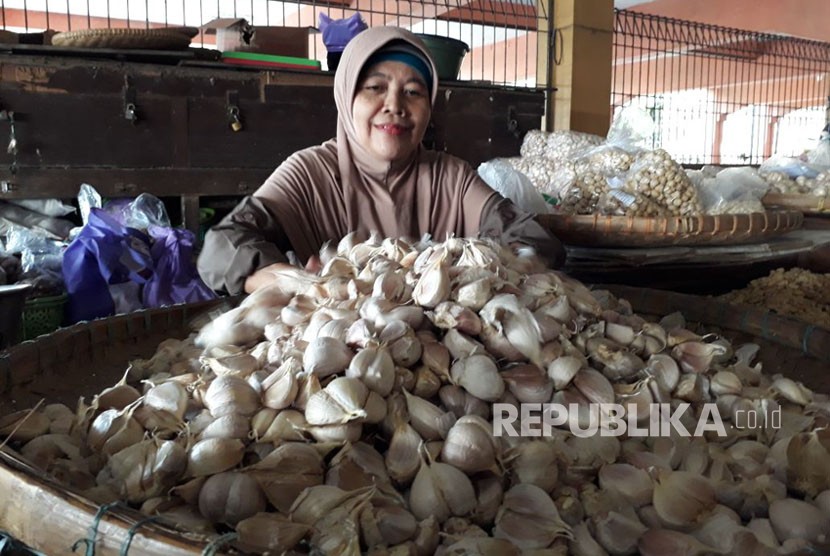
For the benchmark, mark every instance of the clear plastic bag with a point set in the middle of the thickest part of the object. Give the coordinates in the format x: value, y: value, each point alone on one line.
x: 819, y: 157
x: 514, y: 185
x: 733, y: 191
x: 47, y: 207
x: 140, y: 213
x: 88, y: 199
x: 41, y: 260
x: 632, y: 130
x: 657, y: 177
x: 14, y: 216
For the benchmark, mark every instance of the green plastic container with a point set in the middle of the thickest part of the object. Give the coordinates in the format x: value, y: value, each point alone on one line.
x: 448, y: 54
x: 42, y: 315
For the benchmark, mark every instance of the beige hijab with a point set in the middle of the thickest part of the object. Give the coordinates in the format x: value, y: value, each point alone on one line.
x: 325, y: 192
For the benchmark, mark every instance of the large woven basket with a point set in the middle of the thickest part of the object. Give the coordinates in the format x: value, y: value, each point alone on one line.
x: 79, y: 361
x: 634, y: 231
x: 150, y: 39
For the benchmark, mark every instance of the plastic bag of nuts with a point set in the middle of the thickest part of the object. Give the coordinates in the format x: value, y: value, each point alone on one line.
x: 620, y: 202
x: 655, y: 175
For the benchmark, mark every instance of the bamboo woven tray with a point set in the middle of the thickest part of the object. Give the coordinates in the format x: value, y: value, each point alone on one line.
x: 78, y: 361
x: 807, y: 204
x: 153, y: 39
x: 633, y: 231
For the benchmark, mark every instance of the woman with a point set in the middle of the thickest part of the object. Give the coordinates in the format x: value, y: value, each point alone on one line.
x: 375, y: 176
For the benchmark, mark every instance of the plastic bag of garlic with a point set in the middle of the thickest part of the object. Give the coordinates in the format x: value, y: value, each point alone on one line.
x: 354, y: 411
x: 559, y: 146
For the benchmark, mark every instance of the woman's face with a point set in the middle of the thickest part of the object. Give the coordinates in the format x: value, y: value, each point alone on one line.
x: 391, y: 110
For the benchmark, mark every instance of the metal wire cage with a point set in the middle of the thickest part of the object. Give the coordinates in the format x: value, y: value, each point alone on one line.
x: 506, y: 37
x: 720, y: 95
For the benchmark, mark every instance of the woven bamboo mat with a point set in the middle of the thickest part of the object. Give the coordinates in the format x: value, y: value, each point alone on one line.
x: 153, y: 39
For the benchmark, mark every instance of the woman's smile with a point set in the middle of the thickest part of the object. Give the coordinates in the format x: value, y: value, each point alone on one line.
x: 392, y: 129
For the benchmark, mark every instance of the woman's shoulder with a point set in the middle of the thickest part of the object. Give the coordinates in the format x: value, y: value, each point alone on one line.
x: 317, y: 155
x: 447, y: 162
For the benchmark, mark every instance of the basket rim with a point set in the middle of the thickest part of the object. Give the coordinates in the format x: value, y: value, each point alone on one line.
x: 811, y: 204
x: 601, y: 230
x: 45, y: 299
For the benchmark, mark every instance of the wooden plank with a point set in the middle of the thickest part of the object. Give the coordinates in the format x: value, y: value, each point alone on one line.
x: 87, y: 130
x: 35, y: 183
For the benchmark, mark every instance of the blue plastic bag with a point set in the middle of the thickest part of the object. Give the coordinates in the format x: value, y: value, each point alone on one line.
x: 175, y: 278
x: 105, y: 255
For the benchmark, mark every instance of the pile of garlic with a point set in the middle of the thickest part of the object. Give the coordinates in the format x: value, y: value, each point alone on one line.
x: 351, y: 412
x: 796, y: 292
x: 785, y: 185
x: 560, y: 145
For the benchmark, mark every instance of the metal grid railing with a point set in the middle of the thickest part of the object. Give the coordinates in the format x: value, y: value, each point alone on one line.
x: 720, y: 95
x: 503, y: 35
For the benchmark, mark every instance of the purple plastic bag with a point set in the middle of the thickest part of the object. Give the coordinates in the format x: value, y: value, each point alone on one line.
x: 104, y: 253
x: 338, y: 32
x: 176, y: 279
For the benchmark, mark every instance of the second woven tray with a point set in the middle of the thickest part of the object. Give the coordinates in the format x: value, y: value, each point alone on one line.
x: 632, y: 231
x: 808, y: 204
x: 150, y: 39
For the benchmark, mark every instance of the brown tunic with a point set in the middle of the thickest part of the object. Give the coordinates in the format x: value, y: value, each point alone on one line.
x: 322, y: 193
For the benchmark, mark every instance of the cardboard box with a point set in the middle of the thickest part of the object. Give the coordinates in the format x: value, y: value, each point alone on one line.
x: 237, y: 35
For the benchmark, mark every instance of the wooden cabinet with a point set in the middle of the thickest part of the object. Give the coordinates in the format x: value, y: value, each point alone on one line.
x: 129, y: 126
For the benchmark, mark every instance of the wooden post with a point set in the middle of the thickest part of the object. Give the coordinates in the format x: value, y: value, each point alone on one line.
x: 582, y: 76
x: 720, y: 119
x: 545, y: 58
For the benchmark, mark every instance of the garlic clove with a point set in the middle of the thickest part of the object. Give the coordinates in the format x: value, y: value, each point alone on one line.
x: 442, y: 491
x: 478, y: 375
x: 269, y: 532
x: 682, y: 499
x: 230, y: 497
x: 796, y: 519
x: 529, y: 519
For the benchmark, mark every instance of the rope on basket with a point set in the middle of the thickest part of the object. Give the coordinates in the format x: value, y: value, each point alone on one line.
x: 93, y: 530
x: 213, y: 548
x: 125, y: 548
